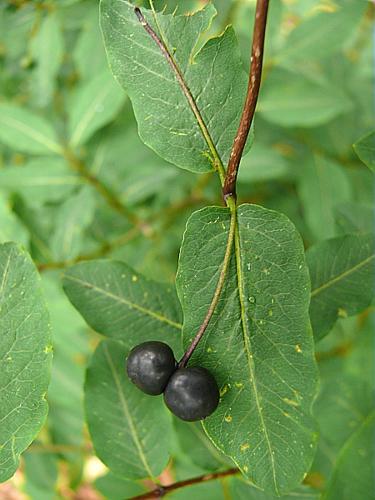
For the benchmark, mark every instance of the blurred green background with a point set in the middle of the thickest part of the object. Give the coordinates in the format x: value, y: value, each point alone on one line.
x: 108, y: 195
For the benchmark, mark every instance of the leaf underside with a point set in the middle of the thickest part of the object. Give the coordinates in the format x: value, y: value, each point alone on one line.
x: 343, y: 279
x: 259, y: 342
x: 214, y: 76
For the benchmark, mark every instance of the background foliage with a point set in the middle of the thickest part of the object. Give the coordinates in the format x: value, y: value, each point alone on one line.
x: 77, y: 183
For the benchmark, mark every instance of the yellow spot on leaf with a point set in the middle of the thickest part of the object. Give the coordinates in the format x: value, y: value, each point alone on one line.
x: 134, y: 278
x: 298, y: 348
x: 342, y: 313
x: 291, y: 402
x: 228, y: 418
x: 244, y: 446
x: 224, y: 389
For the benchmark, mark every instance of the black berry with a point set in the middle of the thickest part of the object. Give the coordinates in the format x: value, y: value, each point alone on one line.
x: 150, y: 366
x: 192, y: 393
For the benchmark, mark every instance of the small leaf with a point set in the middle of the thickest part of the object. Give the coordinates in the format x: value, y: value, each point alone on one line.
x: 258, y: 344
x: 11, y: 228
x: 89, y: 55
x: 95, y: 104
x: 74, y: 216
x: 213, y: 75
x: 343, y: 279
x: 41, y: 180
x: 130, y: 430
x: 41, y: 472
x: 365, y: 149
x: 25, y: 131
x: 290, y: 99
x: 323, y: 184
x: 353, y: 476
x: 47, y: 51
x: 323, y: 34
x: 25, y: 356
x: 120, y: 303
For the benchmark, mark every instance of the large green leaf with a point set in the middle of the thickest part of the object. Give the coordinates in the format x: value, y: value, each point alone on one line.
x: 26, y: 131
x: 25, y: 356
x: 365, y: 149
x: 95, y: 104
x: 130, y: 430
x: 214, y: 76
x: 258, y: 344
x: 342, y: 273
x: 290, y: 99
x: 353, y: 476
x: 120, y: 303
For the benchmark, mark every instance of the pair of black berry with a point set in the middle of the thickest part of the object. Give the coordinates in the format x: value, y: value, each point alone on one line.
x: 190, y: 393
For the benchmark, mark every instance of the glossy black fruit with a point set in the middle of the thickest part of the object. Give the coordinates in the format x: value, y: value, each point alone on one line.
x: 150, y: 366
x: 192, y: 393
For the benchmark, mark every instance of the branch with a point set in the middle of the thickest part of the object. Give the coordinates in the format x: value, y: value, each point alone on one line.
x: 164, y: 490
x: 256, y: 63
x: 107, y: 194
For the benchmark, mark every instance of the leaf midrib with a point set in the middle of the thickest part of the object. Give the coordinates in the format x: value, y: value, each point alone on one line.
x: 130, y: 304
x: 127, y: 414
x: 33, y: 134
x: 342, y: 275
x: 247, y: 347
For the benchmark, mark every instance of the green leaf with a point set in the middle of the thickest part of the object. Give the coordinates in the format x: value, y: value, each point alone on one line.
x: 290, y: 99
x: 343, y: 279
x: 120, y: 303
x: 40, y: 468
x: 25, y: 356
x: 214, y: 76
x: 130, y: 430
x: 25, y: 131
x: 65, y: 418
x: 365, y: 149
x: 89, y: 54
x: 244, y: 491
x: 258, y: 344
x: 355, y: 217
x: 323, y: 34
x: 353, y: 476
x: 95, y: 104
x: 263, y: 164
x: 11, y: 228
x: 41, y: 180
x: 47, y: 50
x: 116, y: 488
x: 196, y: 445
x: 74, y: 216
x: 322, y: 185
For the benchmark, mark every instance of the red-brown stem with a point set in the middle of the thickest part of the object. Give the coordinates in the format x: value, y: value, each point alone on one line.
x: 256, y: 64
x: 163, y: 490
